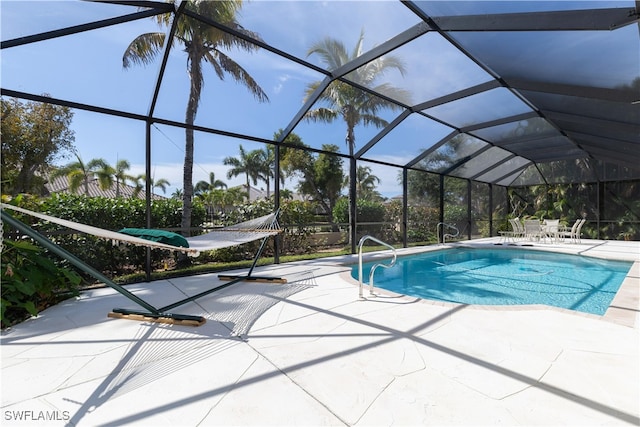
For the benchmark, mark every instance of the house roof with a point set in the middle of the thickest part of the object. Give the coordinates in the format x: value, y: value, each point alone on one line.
x: 61, y: 185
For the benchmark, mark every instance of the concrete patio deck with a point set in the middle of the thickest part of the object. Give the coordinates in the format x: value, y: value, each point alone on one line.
x: 311, y: 353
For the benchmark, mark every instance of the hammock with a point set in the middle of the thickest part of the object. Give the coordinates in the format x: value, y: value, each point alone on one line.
x: 233, y: 235
x: 259, y: 228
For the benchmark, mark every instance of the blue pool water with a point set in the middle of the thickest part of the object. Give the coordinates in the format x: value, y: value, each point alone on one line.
x: 504, y: 277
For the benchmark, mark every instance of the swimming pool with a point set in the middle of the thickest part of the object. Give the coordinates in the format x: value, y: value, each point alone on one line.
x: 504, y: 277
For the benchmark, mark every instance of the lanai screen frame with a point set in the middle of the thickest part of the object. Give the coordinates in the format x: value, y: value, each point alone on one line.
x: 567, y: 143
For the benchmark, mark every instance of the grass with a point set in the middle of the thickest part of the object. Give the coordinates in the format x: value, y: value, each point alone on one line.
x: 222, y: 266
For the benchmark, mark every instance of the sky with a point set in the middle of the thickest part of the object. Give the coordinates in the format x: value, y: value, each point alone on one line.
x: 87, y: 68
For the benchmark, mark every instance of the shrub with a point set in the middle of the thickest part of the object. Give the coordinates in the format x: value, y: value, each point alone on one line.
x: 31, y: 281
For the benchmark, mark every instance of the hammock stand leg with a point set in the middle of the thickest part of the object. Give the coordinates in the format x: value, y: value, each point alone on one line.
x: 234, y: 280
x: 152, y: 313
x: 248, y: 276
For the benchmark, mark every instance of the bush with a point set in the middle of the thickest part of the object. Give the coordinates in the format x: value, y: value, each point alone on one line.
x: 31, y: 281
x: 422, y: 224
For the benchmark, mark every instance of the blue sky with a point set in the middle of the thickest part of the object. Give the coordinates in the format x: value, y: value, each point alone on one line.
x: 87, y: 68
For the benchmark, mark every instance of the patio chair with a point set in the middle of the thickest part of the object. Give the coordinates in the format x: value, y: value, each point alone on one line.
x: 578, y: 233
x: 575, y: 232
x: 518, y: 228
x: 551, y: 229
x: 563, y: 234
x: 532, y: 229
x: 515, y: 232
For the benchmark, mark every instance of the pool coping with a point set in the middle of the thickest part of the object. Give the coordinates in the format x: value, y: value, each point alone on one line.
x: 623, y: 310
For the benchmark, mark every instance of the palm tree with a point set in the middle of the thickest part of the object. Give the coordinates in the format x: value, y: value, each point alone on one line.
x: 265, y: 163
x: 79, y: 173
x: 246, y: 164
x: 141, y: 179
x: 204, y: 186
x: 162, y: 184
x: 203, y: 44
x: 137, y: 185
x: 104, y: 172
x: 120, y: 174
x: 177, y: 194
x: 234, y: 196
x: 366, y: 183
x: 346, y: 102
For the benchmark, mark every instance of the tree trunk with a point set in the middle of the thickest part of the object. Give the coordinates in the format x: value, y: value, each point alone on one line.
x: 351, y: 142
x: 23, y: 180
x: 187, y: 173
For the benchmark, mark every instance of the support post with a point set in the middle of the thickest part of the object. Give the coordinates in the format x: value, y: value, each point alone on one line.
x: 405, y: 207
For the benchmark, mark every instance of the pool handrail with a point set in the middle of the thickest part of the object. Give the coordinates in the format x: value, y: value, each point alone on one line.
x: 373, y: 269
x: 444, y: 236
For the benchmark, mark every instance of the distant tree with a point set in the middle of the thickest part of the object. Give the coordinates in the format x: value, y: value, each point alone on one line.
x: 161, y: 184
x: 423, y: 188
x: 79, y: 173
x: 286, y: 194
x: 234, y: 196
x: 346, y: 102
x: 105, y: 174
x: 289, y: 154
x: 34, y: 136
x: 203, y: 44
x: 246, y: 164
x: 120, y: 174
x: 366, y: 184
x: 141, y: 180
x: 265, y: 161
x: 213, y: 183
x: 177, y: 194
x: 321, y: 176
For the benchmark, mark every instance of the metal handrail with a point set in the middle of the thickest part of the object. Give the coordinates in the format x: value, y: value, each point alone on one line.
x: 444, y: 236
x: 373, y: 269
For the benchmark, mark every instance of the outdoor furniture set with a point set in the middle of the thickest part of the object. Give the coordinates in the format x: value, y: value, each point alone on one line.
x: 535, y: 230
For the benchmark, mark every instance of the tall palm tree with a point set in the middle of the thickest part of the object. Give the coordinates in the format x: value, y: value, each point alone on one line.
x: 80, y: 173
x: 203, y: 44
x: 352, y: 105
x: 204, y: 186
x: 246, y: 164
x: 346, y: 102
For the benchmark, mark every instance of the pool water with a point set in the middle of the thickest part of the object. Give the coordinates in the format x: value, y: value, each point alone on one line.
x: 504, y: 277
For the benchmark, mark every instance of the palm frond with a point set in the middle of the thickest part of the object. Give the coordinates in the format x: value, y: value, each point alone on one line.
x: 143, y: 49
x: 372, y: 119
x: 325, y: 115
x: 393, y: 92
x: 332, y: 52
x: 241, y: 76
